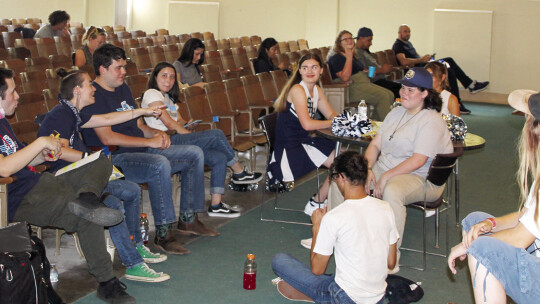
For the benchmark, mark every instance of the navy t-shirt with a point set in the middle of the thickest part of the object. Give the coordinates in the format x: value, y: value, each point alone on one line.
x: 407, y: 49
x: 26, y: 179
x: 62, y: 119
x: 336, y: 63
x: 107, y: 102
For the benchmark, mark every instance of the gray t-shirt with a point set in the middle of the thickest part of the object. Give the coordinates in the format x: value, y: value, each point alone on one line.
x: 46, y: 31
x: 368, y: 60
x: 426, y: 134
x: 188, y: 74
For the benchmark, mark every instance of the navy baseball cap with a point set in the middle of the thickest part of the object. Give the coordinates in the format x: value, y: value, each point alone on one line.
x: 364, y: 32
x: 418, y: 78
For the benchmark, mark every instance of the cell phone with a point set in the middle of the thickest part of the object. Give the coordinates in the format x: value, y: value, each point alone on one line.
x: 433, y: 56
x: 195, y: 122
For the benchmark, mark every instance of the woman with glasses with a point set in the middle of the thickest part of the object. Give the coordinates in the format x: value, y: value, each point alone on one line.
x: 345, y: 66
x: 92, y: 39
x: 296, y: 153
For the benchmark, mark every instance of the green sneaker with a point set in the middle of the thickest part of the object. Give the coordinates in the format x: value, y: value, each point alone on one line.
x: 150, y: 257
x: 145, y: 274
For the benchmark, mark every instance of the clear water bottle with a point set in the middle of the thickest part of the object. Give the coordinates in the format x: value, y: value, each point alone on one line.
x: 250, y: 272
x: 54, y: 274
x: 144, y: 227
x: 362, y: 110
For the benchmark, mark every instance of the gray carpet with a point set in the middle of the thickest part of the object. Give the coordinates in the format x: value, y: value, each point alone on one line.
x: 212, y: 273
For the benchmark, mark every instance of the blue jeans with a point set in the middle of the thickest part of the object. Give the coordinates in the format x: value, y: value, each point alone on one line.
x: 321, y: 289
x: 130, y: 193
x: 218, y: 154
x: 516, y: 269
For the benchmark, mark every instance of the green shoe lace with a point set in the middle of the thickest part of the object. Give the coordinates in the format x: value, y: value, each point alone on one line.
x: 150, y: 257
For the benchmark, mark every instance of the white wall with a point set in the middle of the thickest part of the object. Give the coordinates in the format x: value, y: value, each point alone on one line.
x: 514, y: 41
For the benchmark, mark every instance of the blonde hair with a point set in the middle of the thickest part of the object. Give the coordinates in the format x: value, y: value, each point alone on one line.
x: 529, y: 164
x: 281, y: 102
x: 439, y: 69
x: 92, y: 33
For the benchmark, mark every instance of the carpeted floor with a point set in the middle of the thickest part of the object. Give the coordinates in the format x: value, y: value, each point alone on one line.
x: 212, y: 273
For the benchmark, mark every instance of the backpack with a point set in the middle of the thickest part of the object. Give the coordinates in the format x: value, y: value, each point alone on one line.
x: 24, y: 268
x: 400, y: 290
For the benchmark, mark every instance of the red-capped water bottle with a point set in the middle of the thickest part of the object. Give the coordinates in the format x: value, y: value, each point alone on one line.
x: 250, y: 272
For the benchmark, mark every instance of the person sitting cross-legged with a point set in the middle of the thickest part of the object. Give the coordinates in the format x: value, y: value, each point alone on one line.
x: 362, y: 234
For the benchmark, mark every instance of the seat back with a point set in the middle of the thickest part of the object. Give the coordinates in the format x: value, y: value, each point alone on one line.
x: 156, y: 55
x: 51, y: 97
x: 26, y: 131
x: 211, y: 73
x: 210, y: 45
x: 255, y: 40
x: 184, y: 37
x: 240, y: 58
x: 223, y: 44
x: 19, y: 52
x: 88, y: 69
x: 235, y: 42
x: 208, y: 36
x: 141, y: 58
x: 46, y: 47
x: 138, y: 33
x: 197, y: 35
x: 63, y: 45
x: 303, y: 44
x: 162, y: 32
x: 441, y: 167
x: 37, y: 64
x: 145, y: 41
x: 30, y: 105
x: 227, y: 59
x: 172, y: 39
x: 294, y: 57
x: 197, y: 103
x: 254, y: 91
x: 280, y: 79
x: 391, y: 57
x: 123, y: 35
x: 268, y: 87
x: 60, y: 61
x: 245, y: 40
x: 251, y: 51
x: 237, y: 95
x: 158, y: 40
x: 293, y: 46
x: 213, y: 57
x: 171, y: 52
x: 283, y: 47
x: 268, y: 123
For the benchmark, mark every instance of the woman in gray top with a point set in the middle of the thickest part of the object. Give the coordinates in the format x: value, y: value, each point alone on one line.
x: 92, y: 39
x: 187, y: 65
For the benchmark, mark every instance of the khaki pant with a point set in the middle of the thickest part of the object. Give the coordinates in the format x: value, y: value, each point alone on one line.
x: 377, y: 96
x: 399, y: 191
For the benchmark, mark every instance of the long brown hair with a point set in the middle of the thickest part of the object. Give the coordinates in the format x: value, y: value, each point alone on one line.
x: 337, y: 48
x: 439, y: 69
x: 281, y: 102
x: 529, y: 164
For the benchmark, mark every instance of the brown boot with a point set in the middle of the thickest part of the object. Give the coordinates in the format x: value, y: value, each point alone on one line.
x: 196, y: 228
x: 170, y: 245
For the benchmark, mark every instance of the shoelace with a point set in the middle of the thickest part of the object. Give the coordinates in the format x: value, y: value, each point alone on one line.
x: 149, y: 270
x: 150, y: 253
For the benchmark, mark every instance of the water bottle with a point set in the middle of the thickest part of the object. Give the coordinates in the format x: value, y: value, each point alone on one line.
x: 144, y: 227
x: 396, y: 104
x: 54, y: 274
x: 362, y: 110
x: 250, y: 272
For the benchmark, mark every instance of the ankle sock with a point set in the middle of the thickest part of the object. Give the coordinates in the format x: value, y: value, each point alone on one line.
x: 187, y: 217
x: 240, y: 174
x: 216, y: 206
x: 162, y: 230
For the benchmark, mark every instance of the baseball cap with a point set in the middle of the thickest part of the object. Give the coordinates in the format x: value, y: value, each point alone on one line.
x: 364, y: 32
x: 418, y: 78
x: 526, y: 101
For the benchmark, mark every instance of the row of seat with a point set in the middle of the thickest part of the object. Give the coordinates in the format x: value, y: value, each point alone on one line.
x: 10, y: 21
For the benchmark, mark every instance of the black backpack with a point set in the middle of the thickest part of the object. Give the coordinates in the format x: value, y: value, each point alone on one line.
x: 24, y: 268
x: 401, y: 290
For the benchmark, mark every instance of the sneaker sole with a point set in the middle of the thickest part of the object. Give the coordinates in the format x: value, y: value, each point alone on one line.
x: 101, y: 216
x: 229, y: 215
x: 305, y: 244
x: 171, y: 252
x: 162, y: 278
x: 246, y: 182
x: 155, y: 260
x: 477, y: 91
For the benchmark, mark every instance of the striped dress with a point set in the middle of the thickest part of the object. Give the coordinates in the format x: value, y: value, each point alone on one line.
x: 296, y: 152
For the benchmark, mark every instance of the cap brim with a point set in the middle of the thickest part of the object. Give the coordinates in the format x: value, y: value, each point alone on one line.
x: 519, y: 100
x: 407, y: 82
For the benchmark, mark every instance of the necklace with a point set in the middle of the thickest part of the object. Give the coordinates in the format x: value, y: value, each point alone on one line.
x: 399, y: 127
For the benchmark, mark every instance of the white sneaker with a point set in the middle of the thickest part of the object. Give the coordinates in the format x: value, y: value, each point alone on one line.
x: 312, y: 205
x: 306, y: 243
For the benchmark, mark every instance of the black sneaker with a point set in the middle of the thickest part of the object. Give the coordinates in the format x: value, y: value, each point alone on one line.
x: 222, y: 210
x: 478, y: 86
x: 114, y: 291
x: 463, y: 110
x: 89, y: 207
x: 246, y: 177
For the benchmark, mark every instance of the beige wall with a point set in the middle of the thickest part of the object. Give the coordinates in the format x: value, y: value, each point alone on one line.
x: 514, y: 44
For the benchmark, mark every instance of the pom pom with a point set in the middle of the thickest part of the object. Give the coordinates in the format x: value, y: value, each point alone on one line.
x: 456, y: 126
x: 351, y: 125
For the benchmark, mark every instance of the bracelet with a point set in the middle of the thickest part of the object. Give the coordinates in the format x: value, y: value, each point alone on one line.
x: 493, y: 223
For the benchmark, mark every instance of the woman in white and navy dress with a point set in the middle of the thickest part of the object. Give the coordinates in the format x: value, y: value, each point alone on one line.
x: 296, y: 153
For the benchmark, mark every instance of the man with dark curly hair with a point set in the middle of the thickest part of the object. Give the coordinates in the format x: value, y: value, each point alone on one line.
x: 57, y: 26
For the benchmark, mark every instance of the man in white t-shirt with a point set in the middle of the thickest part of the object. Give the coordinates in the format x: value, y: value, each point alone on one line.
x: 362, y: 234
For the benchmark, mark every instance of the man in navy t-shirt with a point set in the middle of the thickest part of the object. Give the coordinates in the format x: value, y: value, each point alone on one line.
x: 69, y: 201
x: 406, y: 55
x: 145, y: 155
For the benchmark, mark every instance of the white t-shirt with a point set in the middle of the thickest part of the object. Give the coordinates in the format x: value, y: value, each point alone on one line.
x: 153, y: 95
x: 359, y: 233
x: 425, y: 133
x: 528, y: 220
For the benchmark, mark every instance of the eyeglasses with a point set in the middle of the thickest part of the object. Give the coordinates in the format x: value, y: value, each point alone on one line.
x: 345, y: 39
x: 306, y: 68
